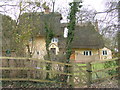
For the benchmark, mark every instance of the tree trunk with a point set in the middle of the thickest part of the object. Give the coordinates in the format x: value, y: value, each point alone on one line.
x: 119, y: 44
x: 119, y: 59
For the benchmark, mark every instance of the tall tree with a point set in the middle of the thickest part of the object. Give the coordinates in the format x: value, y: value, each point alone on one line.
x: 7, y: 33
x: 109, y: 22
x: 86, y: 15
x: 74, y: 7
x: 26, y: 27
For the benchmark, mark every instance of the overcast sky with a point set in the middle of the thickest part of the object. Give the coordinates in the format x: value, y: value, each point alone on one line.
x: 63, y: 5
x: 96, y: 4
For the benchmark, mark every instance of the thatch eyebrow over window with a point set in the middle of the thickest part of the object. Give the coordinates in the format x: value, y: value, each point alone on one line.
x: 54, y: 40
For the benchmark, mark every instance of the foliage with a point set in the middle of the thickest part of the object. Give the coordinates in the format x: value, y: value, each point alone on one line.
x: 74, y: 6
x: 109, y: 64
x: 45, y: 6
x: 98, y: 66
x: 102, y: 66
x: 49, y: 35
x: 16, y: 34
x: 24, y: 31
x: 26, y: 28
x: 7, y: 33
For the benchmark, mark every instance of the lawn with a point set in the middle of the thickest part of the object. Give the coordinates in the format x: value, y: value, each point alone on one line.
x: 100, y: 66
x: 103, y: 66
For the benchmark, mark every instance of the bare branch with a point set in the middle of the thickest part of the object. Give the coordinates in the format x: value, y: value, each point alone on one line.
x: 7, y: 5
x: 107, y: 11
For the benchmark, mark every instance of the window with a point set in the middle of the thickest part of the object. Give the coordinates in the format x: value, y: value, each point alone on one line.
x: 104, y: 52
x: 87, y: 53
x: 53, y: 50
x: 54, y: 40
x: 37, y: 52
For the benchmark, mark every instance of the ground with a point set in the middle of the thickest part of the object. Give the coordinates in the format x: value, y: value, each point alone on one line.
x: 113, y: 83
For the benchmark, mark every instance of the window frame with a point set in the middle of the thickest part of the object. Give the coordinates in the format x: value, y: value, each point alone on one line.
x: 104, y: 52
x: 87, y: 53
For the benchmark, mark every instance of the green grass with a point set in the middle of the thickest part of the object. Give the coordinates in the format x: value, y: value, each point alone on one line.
x: 81, y: 64
x: 102, y: 74
x: 99, y: 66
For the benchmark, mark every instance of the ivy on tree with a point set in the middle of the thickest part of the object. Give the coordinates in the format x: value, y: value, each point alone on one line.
x: 74, y: 8
x: 49, y: 35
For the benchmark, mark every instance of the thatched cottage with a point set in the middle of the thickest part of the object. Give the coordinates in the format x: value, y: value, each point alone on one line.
x: 38, y: 43
x: 87, y: 45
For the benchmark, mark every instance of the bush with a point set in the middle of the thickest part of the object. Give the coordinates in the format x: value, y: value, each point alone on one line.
x: 109, y: 64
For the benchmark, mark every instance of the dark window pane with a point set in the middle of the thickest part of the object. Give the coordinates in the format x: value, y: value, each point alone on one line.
x: 90, y: 53
x: 104, y: 52
x: 38, y: 53
x: 86, y: 52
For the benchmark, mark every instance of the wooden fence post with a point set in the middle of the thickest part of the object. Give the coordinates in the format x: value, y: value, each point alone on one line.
x: 89, y: 74
x: 72, y: 76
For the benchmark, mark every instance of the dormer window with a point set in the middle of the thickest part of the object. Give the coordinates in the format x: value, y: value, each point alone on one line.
x: 54, y: 40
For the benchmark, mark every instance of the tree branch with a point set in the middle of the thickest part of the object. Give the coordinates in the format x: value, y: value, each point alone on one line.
x: 107, y: 11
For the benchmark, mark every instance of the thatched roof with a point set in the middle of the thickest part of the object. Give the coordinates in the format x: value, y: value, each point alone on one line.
x: 62, y: 42
x: 85, y: 37
x: 38, y: 21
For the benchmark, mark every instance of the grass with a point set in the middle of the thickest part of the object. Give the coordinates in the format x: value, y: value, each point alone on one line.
x: 97, y: 75
x: 102, y: 74
x: 99, y: 66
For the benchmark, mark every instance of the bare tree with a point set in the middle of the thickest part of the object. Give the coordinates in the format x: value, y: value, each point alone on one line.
x: 86, y: 15
x: 109, y: 24
x: 22, y: 33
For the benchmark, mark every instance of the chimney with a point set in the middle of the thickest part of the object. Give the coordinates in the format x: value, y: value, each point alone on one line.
x: 96, y: 25
x: 47, y: 10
